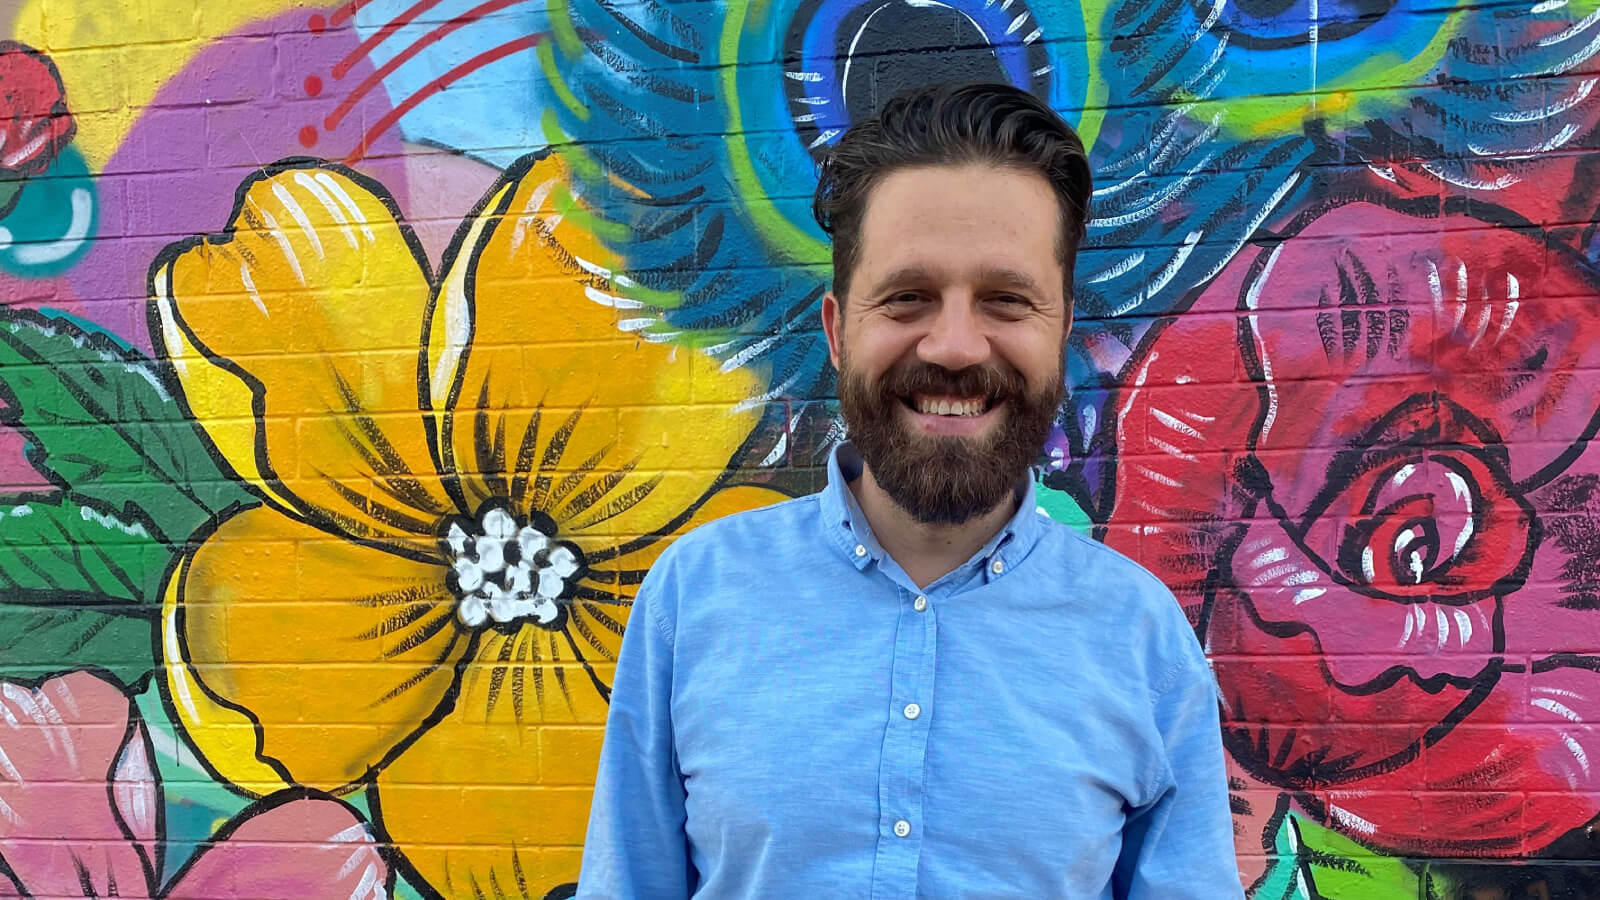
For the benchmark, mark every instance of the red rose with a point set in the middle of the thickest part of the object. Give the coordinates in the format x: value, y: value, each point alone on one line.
x: 1361, y: 459
x: 34, y: 121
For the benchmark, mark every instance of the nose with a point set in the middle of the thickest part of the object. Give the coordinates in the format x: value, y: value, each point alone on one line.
x: 955, y: 339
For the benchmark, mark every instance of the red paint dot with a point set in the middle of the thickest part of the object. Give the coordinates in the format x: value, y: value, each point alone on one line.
x: 308, y: 136
x: 313, y: 85
x: 317, y: 22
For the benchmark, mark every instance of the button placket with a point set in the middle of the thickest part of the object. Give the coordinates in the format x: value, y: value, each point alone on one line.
x: 902, y: 770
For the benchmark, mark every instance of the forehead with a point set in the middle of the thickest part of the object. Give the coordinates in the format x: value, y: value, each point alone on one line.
x: 960, y: 220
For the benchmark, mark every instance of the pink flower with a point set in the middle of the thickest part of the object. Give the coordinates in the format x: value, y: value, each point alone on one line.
x: 81, y: 812
x: 1362, y: 461
x: 34, y: 121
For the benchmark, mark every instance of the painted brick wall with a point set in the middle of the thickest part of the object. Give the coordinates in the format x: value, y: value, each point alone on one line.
x: 356, y: 361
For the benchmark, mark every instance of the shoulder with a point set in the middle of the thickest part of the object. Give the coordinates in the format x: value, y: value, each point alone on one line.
x: 728, y: 544
x: 1134, y: 603
x: 718, y: 560
x: 1109, y: 563
x: 1096, y: 567
x: 731, y: 534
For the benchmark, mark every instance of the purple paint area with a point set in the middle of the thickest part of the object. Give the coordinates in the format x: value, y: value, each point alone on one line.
x: 240, y: 104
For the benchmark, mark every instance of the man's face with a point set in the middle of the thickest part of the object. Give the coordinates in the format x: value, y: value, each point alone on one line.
x: 949, y: 346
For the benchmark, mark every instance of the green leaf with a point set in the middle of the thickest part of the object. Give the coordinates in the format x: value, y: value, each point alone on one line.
x: 78, y: 587
x: 101, y: 422
x: 9, y: 189
x: 1288, y: 875
x: 36, y: 640
x: 65, y: 551
x: 1334, y: 867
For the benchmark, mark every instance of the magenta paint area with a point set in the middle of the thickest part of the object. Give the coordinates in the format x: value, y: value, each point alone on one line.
x: 1365, y: 466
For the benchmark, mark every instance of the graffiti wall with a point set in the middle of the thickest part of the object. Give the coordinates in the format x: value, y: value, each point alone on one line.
x: 357, y: 360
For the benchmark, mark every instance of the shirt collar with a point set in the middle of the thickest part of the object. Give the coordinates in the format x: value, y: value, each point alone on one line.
x: 847, y: 525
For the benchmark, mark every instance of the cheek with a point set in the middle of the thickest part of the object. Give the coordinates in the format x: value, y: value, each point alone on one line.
x: 1037, y: 354
x: 874, y: 348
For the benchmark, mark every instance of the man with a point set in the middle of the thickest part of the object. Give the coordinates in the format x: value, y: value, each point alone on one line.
x: 914, y: 684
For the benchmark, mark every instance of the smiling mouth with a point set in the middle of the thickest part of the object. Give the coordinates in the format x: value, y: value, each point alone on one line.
x: 950, y: 406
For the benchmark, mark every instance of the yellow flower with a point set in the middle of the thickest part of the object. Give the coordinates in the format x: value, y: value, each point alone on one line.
x: 432, y: 599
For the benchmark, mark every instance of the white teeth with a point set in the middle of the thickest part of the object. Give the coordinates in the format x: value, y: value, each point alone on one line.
x: 964, y: 408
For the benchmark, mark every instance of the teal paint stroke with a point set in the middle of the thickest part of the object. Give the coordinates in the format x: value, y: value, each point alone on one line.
x: 196, y: 804
x: 1060, y: 506
x: 56, y: 215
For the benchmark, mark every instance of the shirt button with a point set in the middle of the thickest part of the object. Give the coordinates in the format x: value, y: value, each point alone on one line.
x: 861, y: 549
x: 902, y: 828
x: 912, y: 710
x: 997, y: 566
x: 919, y: 604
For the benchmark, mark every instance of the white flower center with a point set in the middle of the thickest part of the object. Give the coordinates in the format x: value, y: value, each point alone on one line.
x: 505, y: 571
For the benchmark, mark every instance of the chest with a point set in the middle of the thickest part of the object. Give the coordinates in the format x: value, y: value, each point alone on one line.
x: 833, y: 723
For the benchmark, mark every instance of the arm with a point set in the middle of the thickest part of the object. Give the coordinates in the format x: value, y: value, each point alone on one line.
x: 636, y: 846
x: 1181, y: 844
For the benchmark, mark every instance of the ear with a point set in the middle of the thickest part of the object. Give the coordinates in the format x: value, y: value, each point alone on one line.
x: 832, y: 325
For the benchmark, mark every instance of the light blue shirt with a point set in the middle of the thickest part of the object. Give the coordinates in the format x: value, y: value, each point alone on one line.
x: 793, y: 717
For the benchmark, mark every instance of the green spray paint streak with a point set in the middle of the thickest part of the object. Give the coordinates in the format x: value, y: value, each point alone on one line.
x: 547, y: 64
x: 1366, y: 91
x: 581, y: 162
x: 780, y: 234
x: 570, y: 210
x: 561, y: 24
x: 614, y: 234
x: 1098, y: 92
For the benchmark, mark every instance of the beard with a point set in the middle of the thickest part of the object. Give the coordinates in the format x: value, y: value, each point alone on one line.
x: 947, y: 479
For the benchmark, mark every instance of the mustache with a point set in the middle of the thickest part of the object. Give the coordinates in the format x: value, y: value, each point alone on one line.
x: 973, y: 381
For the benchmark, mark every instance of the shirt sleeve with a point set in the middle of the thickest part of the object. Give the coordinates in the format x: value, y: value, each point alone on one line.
x: 636, y: 845
x: 1180, y: 846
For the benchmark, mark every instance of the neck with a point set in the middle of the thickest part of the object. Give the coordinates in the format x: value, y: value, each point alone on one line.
x: 926, y: 552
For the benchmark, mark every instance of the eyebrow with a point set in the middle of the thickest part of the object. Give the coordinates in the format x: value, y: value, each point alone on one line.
x: 1010, y: 278
x: 901, y: 276
x: 999, y: 275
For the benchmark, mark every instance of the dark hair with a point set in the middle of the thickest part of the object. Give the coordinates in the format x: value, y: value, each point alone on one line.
x: 951, y: 125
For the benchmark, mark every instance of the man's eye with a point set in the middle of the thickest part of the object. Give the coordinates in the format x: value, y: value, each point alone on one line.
x: 1009, y: 300
x: 905, y: 298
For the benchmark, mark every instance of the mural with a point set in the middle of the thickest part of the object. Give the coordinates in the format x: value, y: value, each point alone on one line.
x: 357, y: 361
x: 66, y: 834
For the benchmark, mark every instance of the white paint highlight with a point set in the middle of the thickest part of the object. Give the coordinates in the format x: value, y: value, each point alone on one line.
x: 82, y: 204
x: 1311, y: 594
x: 1557, y: 707
x: 1463, y: 627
